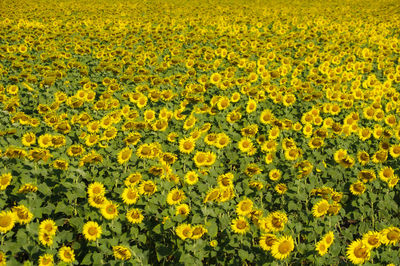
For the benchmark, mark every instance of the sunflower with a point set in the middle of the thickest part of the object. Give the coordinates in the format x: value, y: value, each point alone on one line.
x: 149, y: 115
x: 212, y: 195
x: 121, y: 253
x: 328, y: 238
x: 367, y: 175
x: 200, y: 159
x: 75, y: 150
x: 130, y: 195
x: 321, y: 247
x: 187, y: 145
x: 184, y: 231
x: 91, y: 231
x: 225, y: 180
x: 48, y: 226
x: 60, y: 164
x: 267, y: 241
x: 276, y: 221
x: 97, y: 201
x: 390, y: 236
x: 28, y: 139
x: 393, y: 181
x: 96, y: 189
x: 26, y: 188
x: 45, y: 238
x: 240, y: 225
x: 45, y: 141
x: 7, y: 221
x: 245, y: 145
x: 357, y: 188
x: 222, y: 141
x: 109, y: 210
x: 147, y: 188
x: 5, y: 180
x: 320, y: 208
x: 244, y: 207
x: 281, y: 188
x: 133, y: 179
x: 251, y: 106
x: 198, y: 231
x: 124, y: 155
x: 394, y: 151
x: 22, y: 214
x: 46, y: 259
x: 66, y: 254
x: 358, y: 252
x: 182, y: 209
x: 191, y: 178
x: 282, y: 247
x: 363, y: 157
x: 372, y: 239
x: 275, y: 174
x: 134, y: 216
x: 292, y: 154
x: 386, y: 173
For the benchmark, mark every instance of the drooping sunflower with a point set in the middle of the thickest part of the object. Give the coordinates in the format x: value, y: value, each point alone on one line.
x: 358, y: 252
x: 124, y: 155
x: 121, y: 253
x: 320, y: 208
x: 175, y: 196
x: 5, y: 180
x: 212, y: 195
x: 92, y: 231
x: 134, y: 216
x: 281, y: 188
x: 109, y: 210
x: 147, y: 188
x: 282, y: 247
x: 7, y: 221
x: 240, y: 225
x: 66, y: 254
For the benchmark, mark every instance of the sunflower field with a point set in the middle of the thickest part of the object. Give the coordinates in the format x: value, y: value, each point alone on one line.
x: 199, y: 132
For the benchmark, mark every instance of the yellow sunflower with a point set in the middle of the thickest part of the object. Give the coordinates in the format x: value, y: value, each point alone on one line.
x: 267, y: 241
x: 182, y: 209
x: 5, y: 180
x: 187, y: 145
x: 28, y: 139
x: 282, y: 247
x: 390, y: 236
x: 124, y: 155
x: 320, y: 208
x: 133, y: 179
x: 191, y: 178
x: 184, y: 231
x: 244, y: 207
x: 372, y: 239
x: 175, y: 196
x: 66, y: 254
x: 7, y: 221
x: 91, y: 231
x: 240, y: 225
x: 358, y: 252
x: 45, y: 260
x: 96, y: 189
x: 48, y: 226
x: 147, y: 188
x: 198, y: 231
x: 109, y: 210
x: 22, y: 214
x: 130, y: 195
x: 134, y: 216
x: 121, y: 253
